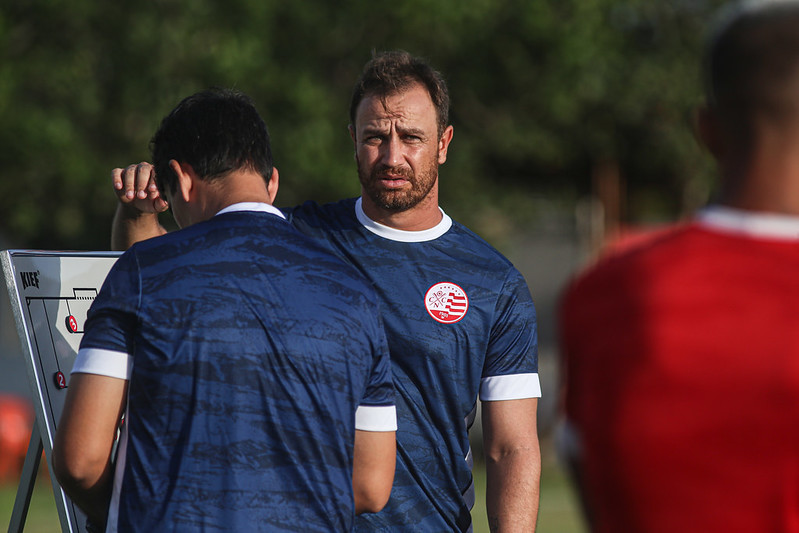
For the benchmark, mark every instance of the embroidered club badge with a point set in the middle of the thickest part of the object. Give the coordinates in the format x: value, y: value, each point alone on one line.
x: 446, y: 302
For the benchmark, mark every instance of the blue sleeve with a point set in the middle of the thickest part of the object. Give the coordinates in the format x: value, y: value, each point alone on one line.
x: 513, y: 344
x: 111, y: 319
x: 380, y: 386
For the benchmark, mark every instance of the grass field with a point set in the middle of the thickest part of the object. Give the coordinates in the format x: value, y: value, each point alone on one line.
x: 558, y: 512
x: 42, y: 515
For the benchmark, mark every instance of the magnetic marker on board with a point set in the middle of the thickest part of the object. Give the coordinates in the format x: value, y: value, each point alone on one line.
x: 72, y: 324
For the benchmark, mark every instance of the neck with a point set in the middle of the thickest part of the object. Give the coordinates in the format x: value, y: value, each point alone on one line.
x: 238, y: 186
x: 765, y: 177
x: 424, y: 215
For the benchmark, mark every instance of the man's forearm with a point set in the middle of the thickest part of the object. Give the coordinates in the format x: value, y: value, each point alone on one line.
x: 131, y: 226
x: 512, y: 490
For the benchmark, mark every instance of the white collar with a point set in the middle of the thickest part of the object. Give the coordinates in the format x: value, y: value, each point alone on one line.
x: 252, y: 206
x: 749, y: 223
x: 401, y: 235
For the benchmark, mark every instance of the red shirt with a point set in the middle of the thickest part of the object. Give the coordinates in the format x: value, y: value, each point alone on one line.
x: 682, y: 378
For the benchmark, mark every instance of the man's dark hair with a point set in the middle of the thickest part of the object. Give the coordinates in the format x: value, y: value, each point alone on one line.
x: 388, y: 73
x: 751, y: 65
x: 215, y: 131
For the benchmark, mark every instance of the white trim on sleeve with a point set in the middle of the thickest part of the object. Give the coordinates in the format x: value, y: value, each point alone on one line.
x: 510, y: 387
x: 103, y: 363
x: 376, y: 418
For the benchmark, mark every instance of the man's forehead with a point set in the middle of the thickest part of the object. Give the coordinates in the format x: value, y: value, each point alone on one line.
x: 400, y: 120
x: 410, y: 108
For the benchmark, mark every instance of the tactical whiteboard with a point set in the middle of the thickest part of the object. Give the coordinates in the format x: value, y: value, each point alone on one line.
x: 50, y: 293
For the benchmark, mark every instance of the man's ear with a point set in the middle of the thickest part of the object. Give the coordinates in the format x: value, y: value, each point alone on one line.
x: 443, y: 144
x: 273, y: 185
x: 186, y: 177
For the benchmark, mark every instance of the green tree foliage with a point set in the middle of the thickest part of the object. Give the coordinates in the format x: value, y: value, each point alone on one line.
x: 542, y: 90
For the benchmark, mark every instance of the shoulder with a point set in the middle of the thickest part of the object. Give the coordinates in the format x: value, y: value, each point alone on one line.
x: 633, y: 261
x: 467, y: 246
x: 644, y: 247
x: 228, y: 230
x: 312, y: 213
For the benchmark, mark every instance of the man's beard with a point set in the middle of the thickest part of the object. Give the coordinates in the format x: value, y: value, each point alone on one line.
x: 402, y: 199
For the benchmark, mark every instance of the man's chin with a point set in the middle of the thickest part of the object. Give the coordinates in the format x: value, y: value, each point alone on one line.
x: 392, y: 202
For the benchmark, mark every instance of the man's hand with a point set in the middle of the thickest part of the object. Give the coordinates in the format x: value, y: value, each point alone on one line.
x: 136, y: 218
x: 135, y: 187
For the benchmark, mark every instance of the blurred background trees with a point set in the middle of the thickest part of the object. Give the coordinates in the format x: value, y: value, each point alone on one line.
x: 552, y: 101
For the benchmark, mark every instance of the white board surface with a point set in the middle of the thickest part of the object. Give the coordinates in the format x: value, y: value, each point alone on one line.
x: 50, y: 294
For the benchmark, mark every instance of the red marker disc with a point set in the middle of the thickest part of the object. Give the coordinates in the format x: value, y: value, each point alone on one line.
x: 72, y: 324
x: 60, y: 380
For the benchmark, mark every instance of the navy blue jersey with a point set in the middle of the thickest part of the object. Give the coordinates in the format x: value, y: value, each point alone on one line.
x: 459, y: 321
x: 251, y: 349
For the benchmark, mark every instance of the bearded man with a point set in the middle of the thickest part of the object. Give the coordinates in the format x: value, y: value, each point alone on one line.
x: 458, y: 316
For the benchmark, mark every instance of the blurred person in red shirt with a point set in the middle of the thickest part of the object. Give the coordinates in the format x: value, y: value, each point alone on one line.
x: 681, y: 353
x: 16, y: 424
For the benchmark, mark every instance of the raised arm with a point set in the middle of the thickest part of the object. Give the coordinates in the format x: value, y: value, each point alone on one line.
x: 84, y: 441
x: 513, y: 464
x: 375, y: 457
x: 136, y: 217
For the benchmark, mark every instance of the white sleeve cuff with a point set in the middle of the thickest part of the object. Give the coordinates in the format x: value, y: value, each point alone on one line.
x: 376, y: 418
x: 103, y: 363
x: 510, y: 387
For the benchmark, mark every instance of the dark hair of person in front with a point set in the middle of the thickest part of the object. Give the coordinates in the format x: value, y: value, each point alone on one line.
x: 215, y: 131
x: 752, y: 65
x: 389, y: 73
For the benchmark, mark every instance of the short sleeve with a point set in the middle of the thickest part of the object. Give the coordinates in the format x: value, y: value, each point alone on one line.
x: 112, y: 318
x: 377, y: 411
x: 511, y: 367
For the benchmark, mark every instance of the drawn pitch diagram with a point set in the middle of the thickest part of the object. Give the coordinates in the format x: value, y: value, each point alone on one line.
x: 50, y: 295
x: 56, y: 320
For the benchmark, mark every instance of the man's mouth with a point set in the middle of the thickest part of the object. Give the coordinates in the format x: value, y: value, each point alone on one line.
x: 392, y: 180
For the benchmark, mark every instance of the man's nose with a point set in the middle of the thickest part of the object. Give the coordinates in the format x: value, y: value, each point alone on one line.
x: 392, y: 155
